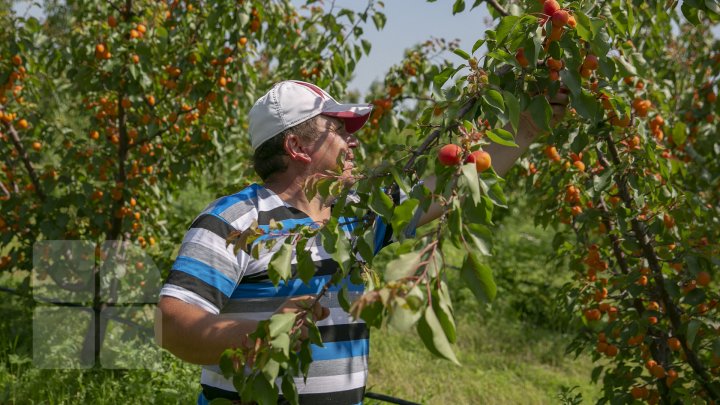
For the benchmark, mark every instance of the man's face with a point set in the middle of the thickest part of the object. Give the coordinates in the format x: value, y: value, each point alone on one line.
x: 332, y: 150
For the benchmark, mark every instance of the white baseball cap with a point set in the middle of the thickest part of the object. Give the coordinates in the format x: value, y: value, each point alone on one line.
x: 291, y: 102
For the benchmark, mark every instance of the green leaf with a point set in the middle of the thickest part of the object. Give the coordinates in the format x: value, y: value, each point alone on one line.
x: 571, y: 79
x: 470, y: 179
x: 507, y: 25
x: 600, y: 183
x: 403, y: 214
x: 495, y: 100
x: 399, y: 180
x: 341, y: 254
x: 477, y: 45
x: 625, y: 67
x: 289, y: 390
x: 459, y: 52
x: 279, y: 267
x: 442, y: 305
x: 367, y: 46
x: 501, y: 136
x: 478, y: 278
x: 513, y: 109
x: 281, y: 323
x: 691, y: 13
x: 692, y: 330
x: 442, y: 77
x: 587, y: 106
x: 403, y: 266
x: 305, y: 265
x: 264, y: 392
x: 540, y: 112
x: 379, y: 20
x: 282, y: 343
x: 679, y: 133
x: 381, y: 203
x: 459, y: 6
x: 432, y: 335
x: 226, y: 363
x: 404, y: 313
x: 584, y: 26
x: 314, y: 334
x: 695, y: 297
x: 480, y: 236
x: 161, y: 32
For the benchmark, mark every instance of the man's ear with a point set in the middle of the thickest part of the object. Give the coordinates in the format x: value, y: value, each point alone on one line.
x: 296, y: 149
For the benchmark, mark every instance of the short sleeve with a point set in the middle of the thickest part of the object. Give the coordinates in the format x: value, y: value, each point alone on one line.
x: 206, y: 270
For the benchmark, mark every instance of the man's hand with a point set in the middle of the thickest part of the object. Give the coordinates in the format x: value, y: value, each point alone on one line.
x: 558, y: 103
x: 307, y: 304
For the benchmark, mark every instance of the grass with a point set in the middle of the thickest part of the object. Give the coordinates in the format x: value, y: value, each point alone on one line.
x: 503, y: 362
x: 512, y: 352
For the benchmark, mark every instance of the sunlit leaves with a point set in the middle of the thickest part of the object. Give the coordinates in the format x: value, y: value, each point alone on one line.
x: 433, y: 336
x: 279, y: 267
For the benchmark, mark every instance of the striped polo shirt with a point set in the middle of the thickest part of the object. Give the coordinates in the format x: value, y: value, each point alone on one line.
x: 208, y: 273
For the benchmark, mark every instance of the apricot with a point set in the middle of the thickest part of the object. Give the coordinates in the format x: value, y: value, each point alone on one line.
x: 481, y: 159
x: 450, y: 155
x: 520, y: 57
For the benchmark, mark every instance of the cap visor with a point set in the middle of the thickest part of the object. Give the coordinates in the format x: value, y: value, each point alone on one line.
x: 354, y: 115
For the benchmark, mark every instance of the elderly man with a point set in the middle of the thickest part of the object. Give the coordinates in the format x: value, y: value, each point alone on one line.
x: 213, y: 297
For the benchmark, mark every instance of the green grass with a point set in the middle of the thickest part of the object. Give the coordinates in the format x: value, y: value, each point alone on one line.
x: 503, y: 362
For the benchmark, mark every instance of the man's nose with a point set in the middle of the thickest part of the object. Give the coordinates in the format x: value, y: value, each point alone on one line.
x: 352, y: 141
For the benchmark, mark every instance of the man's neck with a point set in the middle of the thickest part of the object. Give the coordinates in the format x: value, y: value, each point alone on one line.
x: 291, y: 189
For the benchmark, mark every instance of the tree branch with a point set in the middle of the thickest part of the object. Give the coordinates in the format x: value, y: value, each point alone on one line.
x: 673, y: 312
x: 25, y: 159
x: 498, y: 8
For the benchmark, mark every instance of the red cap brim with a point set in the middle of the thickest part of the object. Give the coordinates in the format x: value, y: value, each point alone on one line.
x: 353, y: 121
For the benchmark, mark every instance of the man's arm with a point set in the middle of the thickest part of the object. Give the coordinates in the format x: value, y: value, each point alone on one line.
x: 504, y: 157
x: 200, y: 337
x: 195, y: 335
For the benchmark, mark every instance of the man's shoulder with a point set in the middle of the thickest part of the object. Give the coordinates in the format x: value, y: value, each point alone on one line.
x: 237, y: 210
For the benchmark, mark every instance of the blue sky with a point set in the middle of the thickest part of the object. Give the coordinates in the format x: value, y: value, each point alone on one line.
x: 410, y: 22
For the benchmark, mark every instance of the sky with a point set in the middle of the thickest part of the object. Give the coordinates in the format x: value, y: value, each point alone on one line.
x: 410, y: 22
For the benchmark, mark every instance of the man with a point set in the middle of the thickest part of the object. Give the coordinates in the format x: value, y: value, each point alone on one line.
x: 214, y: 297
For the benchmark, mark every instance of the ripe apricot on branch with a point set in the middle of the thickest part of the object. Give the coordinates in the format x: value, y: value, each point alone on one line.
x: 450, y: 155
x: 481, y: 159
x: 703, y: 278
x: 668, y: 221
x: 641, y: 107
x: 560, y: 18
x: 593, y: 314
x: 520, y: 57
x: 657, y: 371
x: 571, y: 22
x: 552, y: 153
x: 674, y: 343
x: 590, y: 62
x: 554, y: 64
x: 550, y: 7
